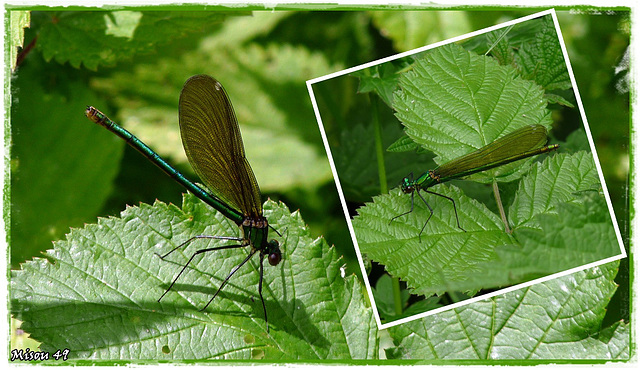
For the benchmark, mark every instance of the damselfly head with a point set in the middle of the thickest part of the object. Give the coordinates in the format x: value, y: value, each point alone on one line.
x: 407, y: 185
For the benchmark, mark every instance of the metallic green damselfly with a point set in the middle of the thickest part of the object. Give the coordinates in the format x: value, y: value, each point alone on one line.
x: 522, y: 143
x: 212, y: 142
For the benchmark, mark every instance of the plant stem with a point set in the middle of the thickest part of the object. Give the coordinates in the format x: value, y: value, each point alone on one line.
x: 382, y: 176
x: 397, y: 296
x: 382, y: 172
x: 496, y: 194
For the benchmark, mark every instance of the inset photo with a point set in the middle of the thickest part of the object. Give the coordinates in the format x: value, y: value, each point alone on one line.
x: 466, y: 169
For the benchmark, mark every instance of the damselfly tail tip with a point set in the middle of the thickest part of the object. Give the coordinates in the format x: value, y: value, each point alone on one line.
x: 91, y: 113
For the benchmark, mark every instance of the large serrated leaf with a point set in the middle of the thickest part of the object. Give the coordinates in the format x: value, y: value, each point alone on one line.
x: 562, y: 177
x: 444, y: 258
x: 557, y: 319
x: 567, y: 223
x: 100, y: 288
x: 454, y: 102
x: 443, y: 255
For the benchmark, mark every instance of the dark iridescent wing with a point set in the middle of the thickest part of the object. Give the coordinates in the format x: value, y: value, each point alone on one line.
x: 212, y: 141
x: 504, y: 149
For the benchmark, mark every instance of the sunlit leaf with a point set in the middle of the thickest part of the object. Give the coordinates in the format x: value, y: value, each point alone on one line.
x: 100, y: 287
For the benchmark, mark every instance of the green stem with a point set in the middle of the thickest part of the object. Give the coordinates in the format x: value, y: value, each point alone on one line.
x: 382, y: 172
x: 397, y: 296
x: 384, y: 188
x: 496, y: 194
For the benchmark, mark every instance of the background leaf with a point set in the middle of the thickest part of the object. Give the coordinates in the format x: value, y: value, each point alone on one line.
x: 79, y: 290
x: 559, y: 179
x: 498, y: 42
x: 410, y: 30
x: 381, y: 78
x: 262, y: 99
x: 557, y: 319
x: 53, y: 152
x: 542, y: 60
x: 94, y: 39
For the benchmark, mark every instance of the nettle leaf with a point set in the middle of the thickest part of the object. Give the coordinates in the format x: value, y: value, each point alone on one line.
x: 574, y: 233
x: 557, y: 319
x: 443, y: 255
x: 560, y: 178
x: 454, y: 102
x: 501, y: 49
x: 403, y: 144
x: 559, y: 222
x: 96, y: 293
x: 445, y: 258
x: 382, y: 79
x: 542, y: 60
x: 96, y: 39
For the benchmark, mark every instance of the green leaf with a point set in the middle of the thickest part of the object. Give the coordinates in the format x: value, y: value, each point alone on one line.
x: 557, y: 99
x: 403, y: 144
x: 569, y: 234
x: 542, y: 60
x: 558, y: 179
x: 358, y: 173
x: 576, y: 141
x: 55, y: 151
x: 96, y: 39
x: 572, y: 233
x: 498, y: 43
x: 557, y: 319
x: 550, y: 235
x: 444, y: 255
x: 454, y: 102
x: 384, y: 297
x: 381, y: 79
x: 20, y: 339
x: 100, y: 288
x: 409, y: 30
x: 18, y: 21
